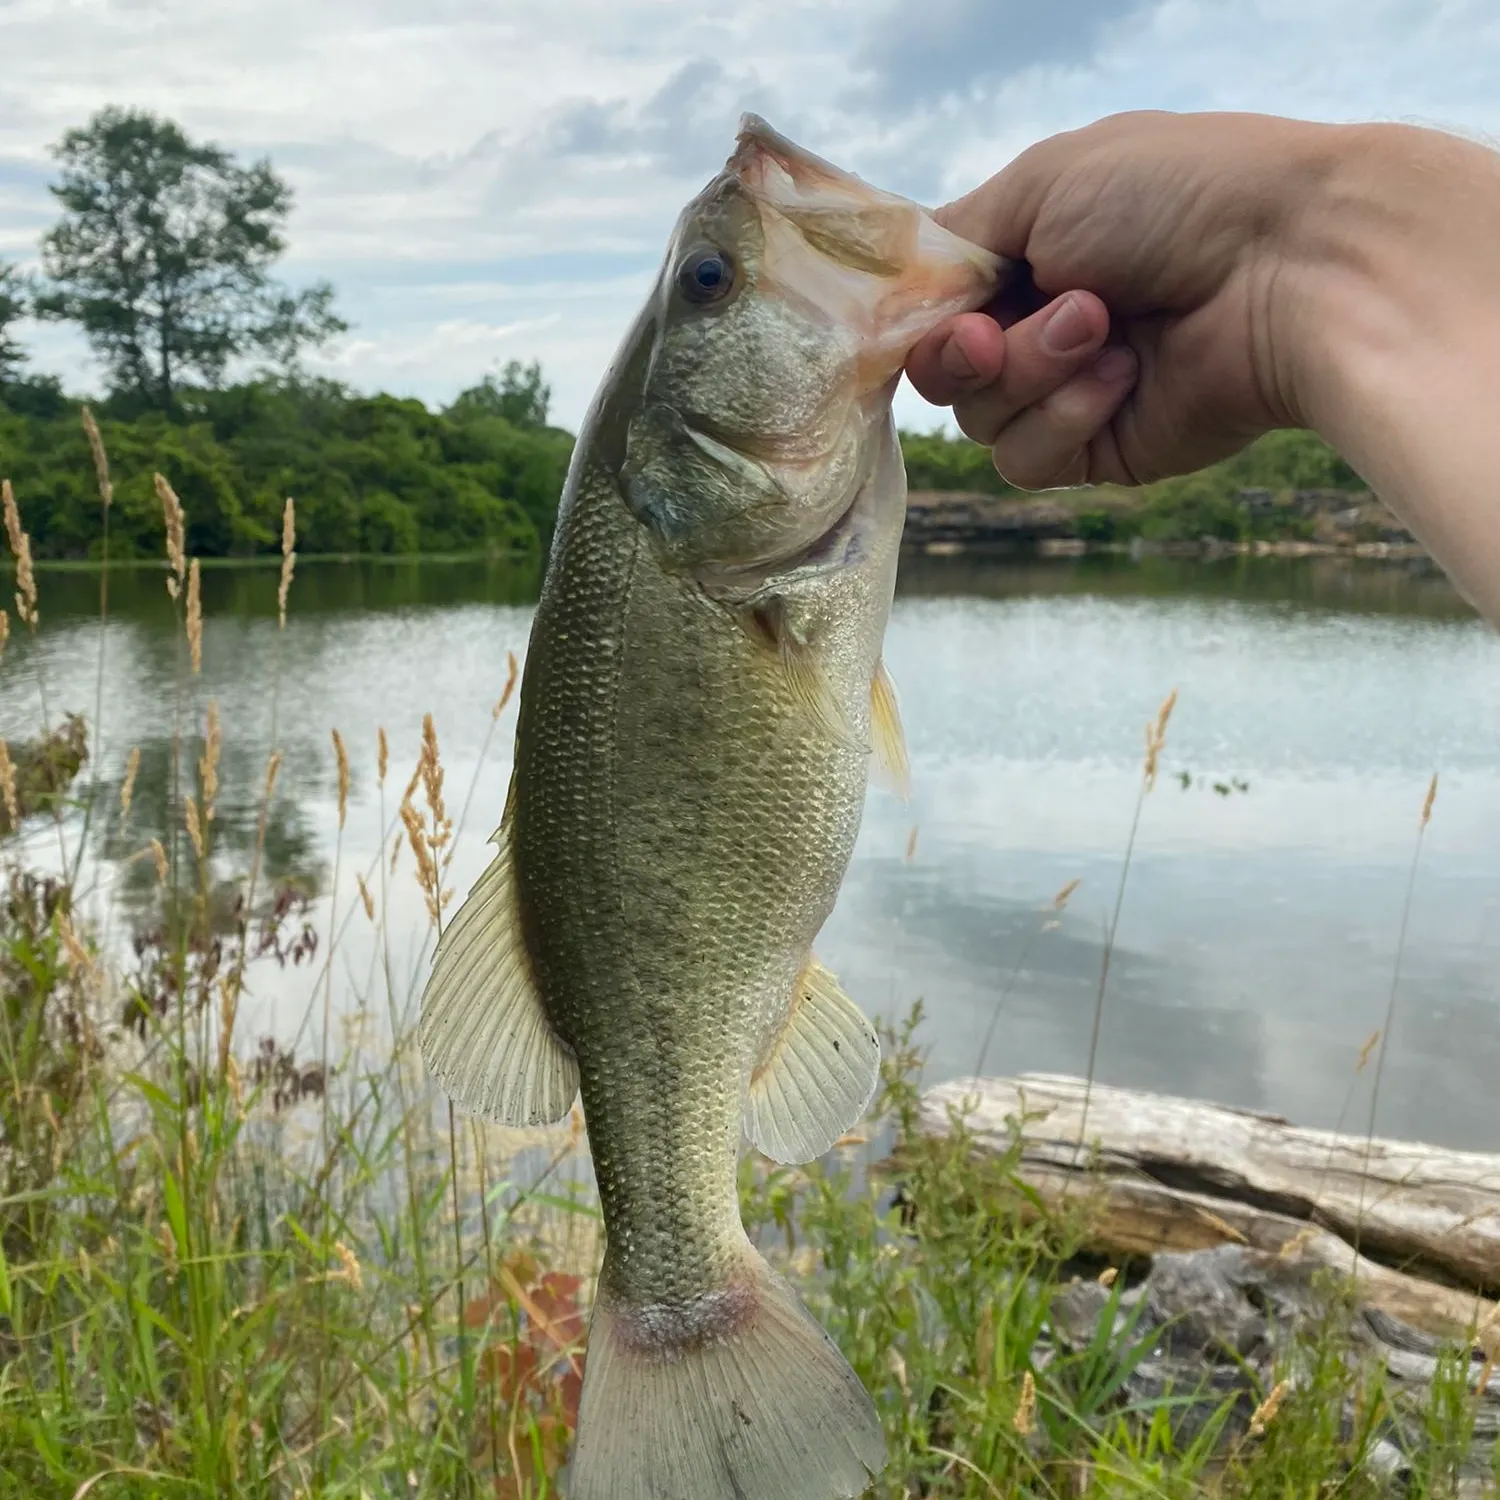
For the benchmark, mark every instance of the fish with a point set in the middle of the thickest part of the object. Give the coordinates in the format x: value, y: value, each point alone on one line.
x: 703, y: 705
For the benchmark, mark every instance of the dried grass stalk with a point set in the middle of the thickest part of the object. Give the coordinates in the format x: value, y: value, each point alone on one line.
x: 341, y: 755
x: 101, y: 460
x: 288, y: 559
x: 195, y: 617
x: 194, y: 824
x: 208, y: 766
x: 512, y: 674
x: 176, y: 525
x: 20, y: 546
x: 127, y: 787
x: 8, y: 787
x: 1156, y: 737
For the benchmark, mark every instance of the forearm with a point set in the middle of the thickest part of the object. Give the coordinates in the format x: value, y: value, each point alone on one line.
x: 1394, y: 318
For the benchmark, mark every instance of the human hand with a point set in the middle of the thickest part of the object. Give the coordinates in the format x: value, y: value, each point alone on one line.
x: 1160, y: 329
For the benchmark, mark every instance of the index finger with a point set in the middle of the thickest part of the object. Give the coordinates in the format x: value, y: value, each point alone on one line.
x: 957, y: 358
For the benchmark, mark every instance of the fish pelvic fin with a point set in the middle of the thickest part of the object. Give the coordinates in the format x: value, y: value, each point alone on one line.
x: 483, y: 1033
x: 817, y: 1073
x: 739, y: 1395
x: 890, y: 766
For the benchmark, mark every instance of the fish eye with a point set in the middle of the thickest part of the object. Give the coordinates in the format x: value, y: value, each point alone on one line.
x: 706, y: 276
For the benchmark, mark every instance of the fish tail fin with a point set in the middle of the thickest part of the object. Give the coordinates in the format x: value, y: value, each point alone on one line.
x: 740, y: 1396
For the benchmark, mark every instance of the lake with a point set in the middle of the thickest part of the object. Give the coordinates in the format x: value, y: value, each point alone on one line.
x: 1259, y: 927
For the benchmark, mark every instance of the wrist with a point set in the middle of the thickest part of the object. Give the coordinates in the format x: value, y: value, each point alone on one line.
x: 1380, y: 265
x: 1387, y: 320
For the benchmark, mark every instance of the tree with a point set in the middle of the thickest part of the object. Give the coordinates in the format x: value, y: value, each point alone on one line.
x: 162, y: 256
x: 12, y: 307
x: 520, y: 396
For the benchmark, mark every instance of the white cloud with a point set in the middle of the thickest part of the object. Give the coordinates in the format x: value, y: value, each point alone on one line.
x: 484, y: 182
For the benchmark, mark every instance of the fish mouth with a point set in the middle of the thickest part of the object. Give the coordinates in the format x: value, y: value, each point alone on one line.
x: 871, y: 259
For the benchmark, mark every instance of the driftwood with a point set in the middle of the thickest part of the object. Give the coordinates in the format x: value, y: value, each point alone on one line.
x: 1229, y: 1223
x: 1417, y: 1227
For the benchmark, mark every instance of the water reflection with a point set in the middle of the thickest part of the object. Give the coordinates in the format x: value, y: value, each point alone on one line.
x: 1257, y: 936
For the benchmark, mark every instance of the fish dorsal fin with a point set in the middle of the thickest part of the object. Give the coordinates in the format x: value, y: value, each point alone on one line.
x: 890, y: 769
x: 483, y: 1032
x: 817, y: 1073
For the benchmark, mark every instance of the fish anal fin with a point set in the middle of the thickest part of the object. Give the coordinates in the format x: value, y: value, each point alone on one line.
x: 891, y: 767
x: 483, y: 1033
x: 816, y: 1075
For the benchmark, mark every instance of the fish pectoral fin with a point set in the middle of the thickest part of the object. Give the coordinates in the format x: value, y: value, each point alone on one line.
x: 483, y: 1033
x: 810, y: 688
x: 890, y: 768
x: 816, y: 1075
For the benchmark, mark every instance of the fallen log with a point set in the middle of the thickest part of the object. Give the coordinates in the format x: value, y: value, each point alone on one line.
x: 1416, y: 1227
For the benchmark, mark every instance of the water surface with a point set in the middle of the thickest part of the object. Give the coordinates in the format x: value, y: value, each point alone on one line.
x: 1259, y: 927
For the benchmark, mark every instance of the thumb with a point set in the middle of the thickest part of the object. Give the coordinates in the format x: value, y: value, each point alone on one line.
x: 1001, y: 212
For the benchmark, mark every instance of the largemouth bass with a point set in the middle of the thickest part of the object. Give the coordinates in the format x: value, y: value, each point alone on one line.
x: 702, y: 699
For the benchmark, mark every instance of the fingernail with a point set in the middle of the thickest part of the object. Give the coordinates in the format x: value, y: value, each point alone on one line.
x: 1067, y: 329
x: 955, y: 360
x: 1115, y: 365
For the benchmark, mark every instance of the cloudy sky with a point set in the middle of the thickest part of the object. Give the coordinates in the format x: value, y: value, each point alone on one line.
x: 494, y: 179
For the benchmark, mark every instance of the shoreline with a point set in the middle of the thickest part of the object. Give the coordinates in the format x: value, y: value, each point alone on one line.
x: 1208, y: 549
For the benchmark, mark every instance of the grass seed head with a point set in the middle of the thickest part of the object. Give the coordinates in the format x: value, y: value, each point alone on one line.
x: 127, y: 787
x: 195, y: 617
x: 513, y: 671
x: 159, y: 856
x: 8, y: 788
x: 341, y: 755
x: 288, y: 559
x: 194, y: 825
x: 273, y: 765
x: 1265, y: 1413
x: 101, y: 460
x: 208, y: 766
x: 349, y: 1268
x: 1156, y: 737
x: 1024, y: 1420
x: 20, y: 546
x: 176, y: 528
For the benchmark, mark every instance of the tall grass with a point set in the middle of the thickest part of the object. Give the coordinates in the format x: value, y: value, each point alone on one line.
x: 229, y: 1267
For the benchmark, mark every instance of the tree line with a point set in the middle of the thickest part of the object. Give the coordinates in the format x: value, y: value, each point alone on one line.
x: 162, y: 257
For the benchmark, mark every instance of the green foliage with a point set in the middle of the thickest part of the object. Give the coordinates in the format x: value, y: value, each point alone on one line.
x: 369, y: 474
x: 936, y: 461
x: 162, y: 257
x: 520, y: 397
x: 12, y: 308
x: 1209, y: 503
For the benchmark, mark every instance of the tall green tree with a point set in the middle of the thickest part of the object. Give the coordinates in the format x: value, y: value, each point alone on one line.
x: 521, y: 396
x: 163, y: 257
x: 12, y: 307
